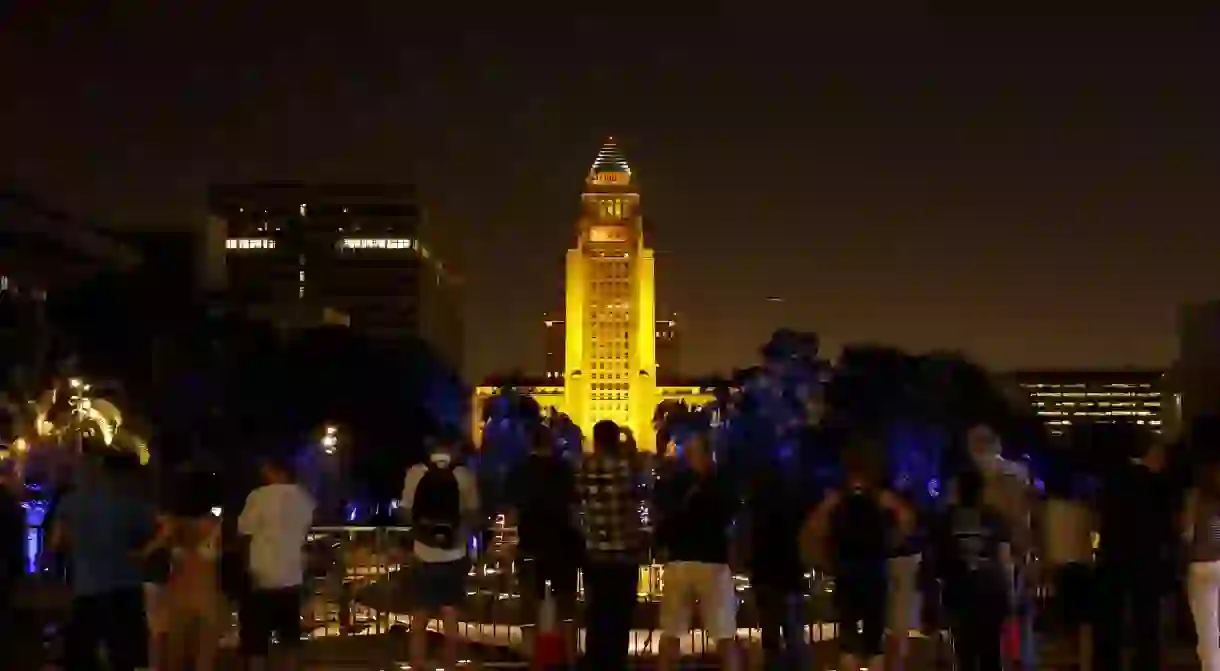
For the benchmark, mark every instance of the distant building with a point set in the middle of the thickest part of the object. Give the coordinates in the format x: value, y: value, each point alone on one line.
x: 668, y: 351
x: 554, y: 346
x: 1066, y: 398
x: 352, y: 254
x: 175, y: 258
x: 42, y: 248
x: 1195, y: 378
x: 602, y: 357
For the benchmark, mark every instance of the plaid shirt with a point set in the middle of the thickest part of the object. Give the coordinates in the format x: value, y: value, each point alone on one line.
x: 610, y: 507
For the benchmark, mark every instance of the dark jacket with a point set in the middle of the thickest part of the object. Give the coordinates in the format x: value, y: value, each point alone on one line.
x: 12, y: 541
x: 1137, y: 507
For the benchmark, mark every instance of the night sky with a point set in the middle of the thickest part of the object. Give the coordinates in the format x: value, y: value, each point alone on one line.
x: 1036, y: 191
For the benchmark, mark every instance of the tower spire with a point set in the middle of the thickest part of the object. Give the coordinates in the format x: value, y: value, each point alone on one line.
x: 610, y: 161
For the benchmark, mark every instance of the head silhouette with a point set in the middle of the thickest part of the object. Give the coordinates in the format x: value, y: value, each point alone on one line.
x: 606, y: 437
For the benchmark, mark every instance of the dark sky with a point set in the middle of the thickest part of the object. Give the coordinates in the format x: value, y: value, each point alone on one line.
x: 1038, y: 191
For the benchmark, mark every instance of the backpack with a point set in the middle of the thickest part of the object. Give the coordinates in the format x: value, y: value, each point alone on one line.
x: 974, y: 547
x: 436, y: 510
x: 859, y: 529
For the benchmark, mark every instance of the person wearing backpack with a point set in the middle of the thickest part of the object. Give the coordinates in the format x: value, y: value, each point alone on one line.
x: 858, y: 523
x: 1008, y: 489
x: 440, y: 498
x: 973, y: 556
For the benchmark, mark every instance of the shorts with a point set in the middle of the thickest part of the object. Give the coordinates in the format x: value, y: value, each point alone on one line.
x: 114, y: 620
x: 1075, y: 587
x: 710, y: 586
x: 437, y: 585
x: 270, y: 612
x: 560, y: 572
x: 905, y: 599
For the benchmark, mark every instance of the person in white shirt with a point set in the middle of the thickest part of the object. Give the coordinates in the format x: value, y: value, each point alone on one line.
x: 275, y: 523
x: 440, y: 499
x: 1068, y: 552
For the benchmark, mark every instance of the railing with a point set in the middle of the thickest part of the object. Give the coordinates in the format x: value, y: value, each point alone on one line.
x: 359, y: 589
x: 357, y: 593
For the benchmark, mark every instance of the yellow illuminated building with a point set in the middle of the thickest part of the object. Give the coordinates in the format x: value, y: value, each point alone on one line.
x: 610, y: 330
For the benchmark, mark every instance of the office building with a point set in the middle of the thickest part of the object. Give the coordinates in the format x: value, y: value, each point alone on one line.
x: 668, y: 350
x: 352, y: 254
x: 1194, y: 383
x: 1066, y: 398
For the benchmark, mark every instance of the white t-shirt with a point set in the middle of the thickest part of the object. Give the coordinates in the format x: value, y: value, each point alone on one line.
x: 468, y: 495
x: 277, y: 520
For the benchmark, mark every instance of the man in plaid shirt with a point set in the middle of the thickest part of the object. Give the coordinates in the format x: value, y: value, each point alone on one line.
x: 614, y: 540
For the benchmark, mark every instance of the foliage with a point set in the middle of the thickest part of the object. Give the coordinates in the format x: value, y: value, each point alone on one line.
x: 210, y: 381
x: 911, y: 410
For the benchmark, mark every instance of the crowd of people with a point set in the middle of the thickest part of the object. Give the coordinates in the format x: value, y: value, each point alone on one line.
x: 152, y: 586
x: 153, y: 579
x: 978, y: 562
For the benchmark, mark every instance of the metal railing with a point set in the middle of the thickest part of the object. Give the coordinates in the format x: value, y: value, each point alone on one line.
x: 359, y: 588
x: 358, y: 596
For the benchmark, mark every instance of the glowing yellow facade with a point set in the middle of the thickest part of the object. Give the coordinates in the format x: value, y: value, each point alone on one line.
x: 610, y: 355
x: 610, y: 361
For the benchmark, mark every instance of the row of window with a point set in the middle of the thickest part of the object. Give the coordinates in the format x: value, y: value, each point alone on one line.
x: 1088, y: 413
x: 249, y: 243
x: 1084, y: 385
x: 346, y: 243
x: 380, y: 243
x: 610, y: 269
x: 611, y: 209
x: 1100, y: 404
x: 601, y: 386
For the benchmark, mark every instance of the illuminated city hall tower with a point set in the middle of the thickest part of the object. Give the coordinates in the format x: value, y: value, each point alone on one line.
x: 610, y: 364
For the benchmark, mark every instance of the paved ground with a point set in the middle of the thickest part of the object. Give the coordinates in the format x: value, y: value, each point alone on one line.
x: 389, y: 651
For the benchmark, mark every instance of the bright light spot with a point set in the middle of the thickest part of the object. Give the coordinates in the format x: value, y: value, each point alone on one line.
x: 934, y: 488
x: 216, y: 512
x: 74, y: 383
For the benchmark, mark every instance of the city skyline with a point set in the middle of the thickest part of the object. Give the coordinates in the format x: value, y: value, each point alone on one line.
x: 1035, y: 192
